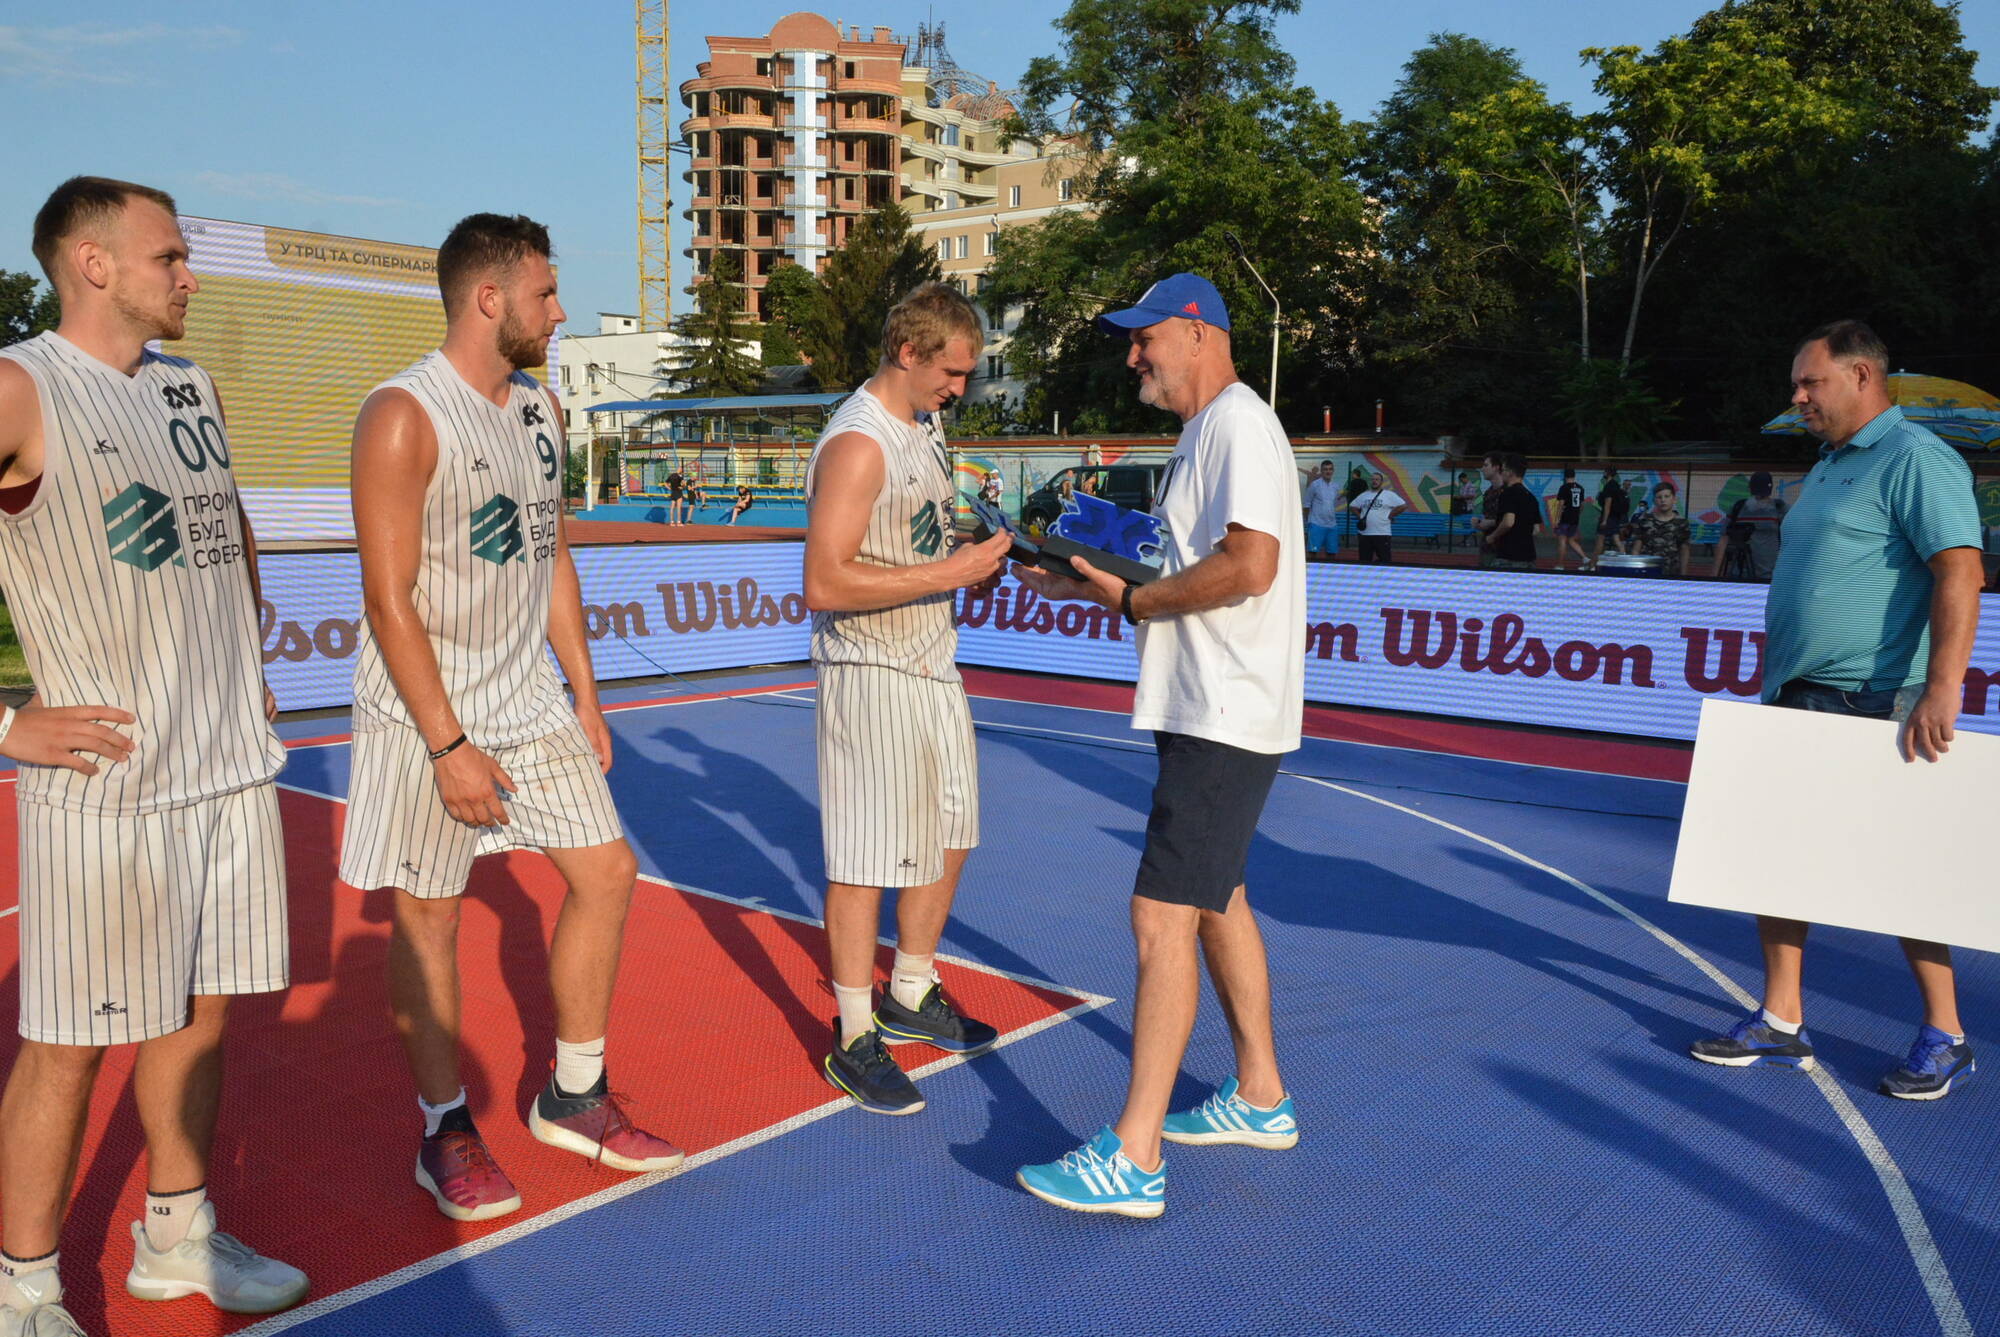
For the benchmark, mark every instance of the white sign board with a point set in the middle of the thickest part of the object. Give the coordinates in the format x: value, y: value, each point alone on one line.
x: 1818, y: 817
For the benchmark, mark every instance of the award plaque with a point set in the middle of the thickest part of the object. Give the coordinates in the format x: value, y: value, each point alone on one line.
x: 1127, y: 544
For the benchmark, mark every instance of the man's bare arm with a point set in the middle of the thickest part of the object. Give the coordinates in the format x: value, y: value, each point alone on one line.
x: 21, y: 456
x: 395, y: 454
x: 1243, y: 565
x: 846, y: 481
x: 1957, y: 575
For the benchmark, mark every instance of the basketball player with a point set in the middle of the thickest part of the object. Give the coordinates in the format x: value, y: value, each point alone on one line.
x: 464, y: 743
x: 152, y: 874
x: 898, y: 782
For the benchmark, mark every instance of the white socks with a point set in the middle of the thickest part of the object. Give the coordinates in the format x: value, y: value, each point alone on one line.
x: 910, y: 979
x: 29, y: 1281
x: 857, y: 1011
x: 578, y: 1066
x: 1779, y: 1024
x: 434, y: 1114
x: 168, y: 1216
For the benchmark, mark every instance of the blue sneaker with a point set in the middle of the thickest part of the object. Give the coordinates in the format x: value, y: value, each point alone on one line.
x: 1228, y: 1117
x: 1936, y: 1064
x: 1098, y: 1177
x: 1751, y: 1042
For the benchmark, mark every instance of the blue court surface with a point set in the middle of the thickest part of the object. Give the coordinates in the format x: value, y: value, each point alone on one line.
x: 1483, y: 1004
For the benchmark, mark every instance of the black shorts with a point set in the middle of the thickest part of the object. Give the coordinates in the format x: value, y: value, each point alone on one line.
x: 1205, y: 810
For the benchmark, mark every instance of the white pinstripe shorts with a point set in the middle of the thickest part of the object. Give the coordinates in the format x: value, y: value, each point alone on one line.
x: 399, y: 833
x: 123, y: 917
x: 898, y: 775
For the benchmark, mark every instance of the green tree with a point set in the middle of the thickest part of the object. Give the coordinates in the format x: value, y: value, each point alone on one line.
x: 1610, y: 404
x: 24, y: 313
x: 1689, y: 122
x: 718, y: 331
x: 1187, y: 130
x: 836, y: 318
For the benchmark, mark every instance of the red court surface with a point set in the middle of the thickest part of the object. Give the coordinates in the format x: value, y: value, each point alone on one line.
x: 717, y: 1031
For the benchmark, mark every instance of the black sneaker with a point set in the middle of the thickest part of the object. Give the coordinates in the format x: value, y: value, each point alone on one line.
x: 935, y: 1022
x: 1752, y: 1042
x: 865, y: 1071
x: 1935, y: 1066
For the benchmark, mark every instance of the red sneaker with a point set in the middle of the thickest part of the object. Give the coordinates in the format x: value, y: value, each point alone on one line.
x: 458, y: 1171
x: 595, y: 1124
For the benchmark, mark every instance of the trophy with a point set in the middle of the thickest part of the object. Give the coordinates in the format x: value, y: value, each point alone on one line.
x: 1128, y: 544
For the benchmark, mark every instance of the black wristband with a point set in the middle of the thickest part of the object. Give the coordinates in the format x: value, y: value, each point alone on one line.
x: 449, y: 748
x: 1125, y: 604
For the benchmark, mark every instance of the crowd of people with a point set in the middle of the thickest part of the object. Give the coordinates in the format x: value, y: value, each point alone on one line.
x: 1506, y: 518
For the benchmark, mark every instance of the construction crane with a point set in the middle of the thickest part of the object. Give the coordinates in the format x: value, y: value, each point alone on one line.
x: 655, y: 251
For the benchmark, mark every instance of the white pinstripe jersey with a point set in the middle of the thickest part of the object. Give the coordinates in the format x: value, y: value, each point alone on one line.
x: 910, y: 525
x: 487, y: 564
x: 128, y: 582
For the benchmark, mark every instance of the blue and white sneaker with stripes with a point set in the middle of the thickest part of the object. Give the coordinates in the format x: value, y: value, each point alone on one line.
x: 1098, y: 1177
x: 1228, y: 1117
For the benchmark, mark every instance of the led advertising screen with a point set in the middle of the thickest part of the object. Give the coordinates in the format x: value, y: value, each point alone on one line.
x: 1632, y: 657
x: 297, y: 328
x: 648, y: 609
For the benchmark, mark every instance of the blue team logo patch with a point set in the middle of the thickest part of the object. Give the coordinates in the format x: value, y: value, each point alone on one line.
x: 142, y: 529
x: 1096, y: 523
x: 496, y: 531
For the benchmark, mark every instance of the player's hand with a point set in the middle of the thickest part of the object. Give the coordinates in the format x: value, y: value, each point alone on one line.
x: 470, y: 783
x: 1049, y: 585
x: 599, y: 734
x: 61, y: 735
x: 270, y: 705
x: 1931, y: 726
x: 972, y: 563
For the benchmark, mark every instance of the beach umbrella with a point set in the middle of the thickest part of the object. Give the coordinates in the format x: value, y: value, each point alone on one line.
x: 1962, y: 414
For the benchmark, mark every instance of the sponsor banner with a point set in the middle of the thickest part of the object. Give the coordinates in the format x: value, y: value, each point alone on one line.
x: 1634, y: 657
x: 1623, y: 656
x: 647, y: 608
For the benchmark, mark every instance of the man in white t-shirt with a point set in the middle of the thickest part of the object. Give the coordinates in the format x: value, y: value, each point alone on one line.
x: 1221, y: 645
x: 1374, y: 512
x: 1322, y: 510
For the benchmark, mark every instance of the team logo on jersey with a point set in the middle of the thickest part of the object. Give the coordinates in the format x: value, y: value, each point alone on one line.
x: 182, y: 396
x: 926, y: 534
x: 496, y: 531
x: 142, y: 528
x: 531, y: 414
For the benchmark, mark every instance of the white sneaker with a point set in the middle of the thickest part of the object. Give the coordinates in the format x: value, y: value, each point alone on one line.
x: 230, y: 1273
x: 31, y: 1306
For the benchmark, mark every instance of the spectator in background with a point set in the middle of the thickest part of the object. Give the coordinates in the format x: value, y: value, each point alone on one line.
x: 744, y: 501
x: 1375, y: 512
x: 1614, y: 504
x: 1490, y: 469
x: 1753, y: 533
x: 676, y: 489
x: 989, y: 488
x: 1323, y: 503
x: 1566, y: 514
x: 697, y: 496
x: 1661, y: 530
x: 1510, y: 544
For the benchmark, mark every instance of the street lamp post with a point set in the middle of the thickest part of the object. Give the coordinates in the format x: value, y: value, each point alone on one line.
x: 1236, y: 244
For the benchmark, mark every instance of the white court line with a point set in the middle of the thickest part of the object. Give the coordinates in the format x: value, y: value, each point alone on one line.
x: 1917, y: 1237
x: 340, y: 1300
x: 557, y: 1215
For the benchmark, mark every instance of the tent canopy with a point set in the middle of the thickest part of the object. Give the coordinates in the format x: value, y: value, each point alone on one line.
x: 724, y: 404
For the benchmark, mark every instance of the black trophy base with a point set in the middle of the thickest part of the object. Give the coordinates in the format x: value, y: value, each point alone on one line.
x: 1057, y: 550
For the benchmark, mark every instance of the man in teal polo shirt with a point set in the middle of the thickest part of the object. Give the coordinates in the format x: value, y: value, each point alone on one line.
x: 1871, y: 612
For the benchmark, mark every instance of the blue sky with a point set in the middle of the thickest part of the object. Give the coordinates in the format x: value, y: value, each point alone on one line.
x: 391, y: 120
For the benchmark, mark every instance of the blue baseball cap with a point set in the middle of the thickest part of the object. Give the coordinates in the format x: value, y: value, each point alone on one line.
x: 1188, y: 296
